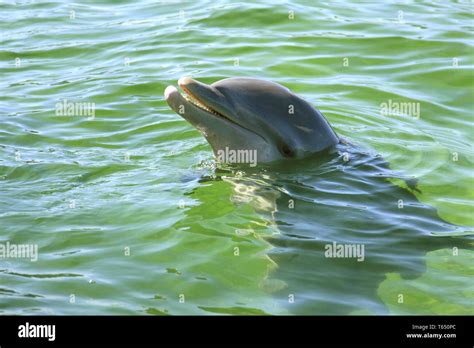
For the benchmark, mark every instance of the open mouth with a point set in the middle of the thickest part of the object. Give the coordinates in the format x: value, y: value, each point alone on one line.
x: 196, y: 102
x: 199, y: 104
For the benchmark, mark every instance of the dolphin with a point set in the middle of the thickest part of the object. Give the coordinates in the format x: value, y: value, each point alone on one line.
x: 348, y: 196
x: 247, y: 114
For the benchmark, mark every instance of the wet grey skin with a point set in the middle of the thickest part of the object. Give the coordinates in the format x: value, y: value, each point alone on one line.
x: 243, y: 113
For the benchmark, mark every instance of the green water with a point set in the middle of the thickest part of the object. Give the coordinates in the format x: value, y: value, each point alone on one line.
x: 129, y: 212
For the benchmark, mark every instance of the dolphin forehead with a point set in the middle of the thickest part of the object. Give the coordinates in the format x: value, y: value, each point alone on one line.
x: 283, y: 115
x: 266, y: 100
x: 260, y: 98
x: 241, y: 84
x: 256, y: 101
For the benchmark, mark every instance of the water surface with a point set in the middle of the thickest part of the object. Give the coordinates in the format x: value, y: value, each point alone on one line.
x: 129, y: 212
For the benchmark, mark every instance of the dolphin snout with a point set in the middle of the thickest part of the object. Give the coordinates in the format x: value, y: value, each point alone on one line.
x: 205, y: 95
x: 170, y: 90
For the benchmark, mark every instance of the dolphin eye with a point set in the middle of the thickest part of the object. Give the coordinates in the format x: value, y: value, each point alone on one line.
x: 287, y: 151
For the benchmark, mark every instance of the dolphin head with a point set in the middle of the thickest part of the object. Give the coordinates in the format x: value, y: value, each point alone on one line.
x: 248, y: 114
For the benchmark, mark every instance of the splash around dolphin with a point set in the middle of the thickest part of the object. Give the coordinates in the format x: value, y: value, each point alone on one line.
x: 244, y: 118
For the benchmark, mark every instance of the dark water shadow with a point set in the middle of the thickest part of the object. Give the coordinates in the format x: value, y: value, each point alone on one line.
x: 345, y: 197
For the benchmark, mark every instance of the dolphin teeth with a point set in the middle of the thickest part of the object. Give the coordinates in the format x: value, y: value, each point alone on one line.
x: 199, y: 104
